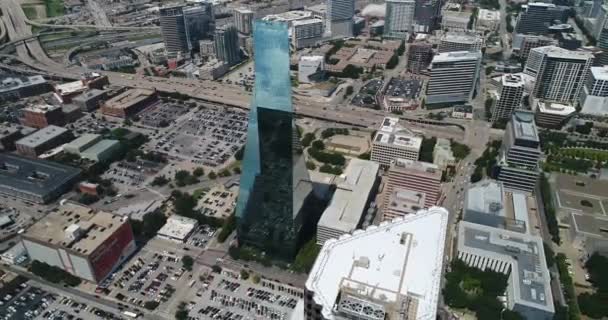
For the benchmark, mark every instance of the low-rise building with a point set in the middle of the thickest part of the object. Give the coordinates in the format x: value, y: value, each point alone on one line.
x: 368, y: 271
x: 213, y: 69
x: 460, y: 41
x: 455, y: 20
x: 42, y: 115
x: 90, y: 99
x: 443, y: 156
x: 81, y: 143
x: 177, y: 228
x: 102, y: 151
x: 43, y: 140
x: 463, y: 111
x: 350, y: 200
x: 487, y: 20
x: 10, y: 133
x: 552, y: 114
x: 311, y: 69
x: 15, y: 88
x: 129, y: 103
x: 80, y: 241
x: 35, y: 180
x: 393, y: 141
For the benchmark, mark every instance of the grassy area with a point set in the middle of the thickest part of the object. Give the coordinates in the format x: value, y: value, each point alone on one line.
x: 54, y: 8
x: 30, y: 12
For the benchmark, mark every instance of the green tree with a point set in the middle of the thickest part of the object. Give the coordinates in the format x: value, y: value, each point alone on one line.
x: 187, y: 262
x: 244, y: 274
x: 310, y: 165
x: 318, y: 144
x: 151, y: 305
x: 198, y: 172
x: 212, y: 175
x: 308, y: 138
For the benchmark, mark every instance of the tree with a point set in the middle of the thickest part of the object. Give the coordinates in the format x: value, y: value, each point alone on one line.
x: 306, y: 256
x: 149, y: 226
x: 187, y: 262
x: 460, y: 150
x: 310, y: 165
x: 212, y: 175
x: 215, y: 268
x: 227, y: 227
x: 365, y: 156
x: 198, y: 172
x: 426, y: 149
x: 239, y: 154
x: 237, y: 170
x: 182, y: 312
x: 393, y: 62
x: 225, y: 173
x: 489, y: 70
x: 151, y: 305
x: 349, y: 90
x: 318, y: 144
x: 351, y: 71
x: 308, y: 138
x: 255, y: 279
x: 244, y: 274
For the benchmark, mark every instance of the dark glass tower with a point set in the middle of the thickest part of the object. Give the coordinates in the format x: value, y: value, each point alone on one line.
x: 274, y: 183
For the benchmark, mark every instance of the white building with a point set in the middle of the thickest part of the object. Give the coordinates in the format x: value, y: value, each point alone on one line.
x: 509, y: 98
x: 594, y: 95
x: 387, y: 269
x: 306, y: 33
x: 455, y: 20
x: 552, y: 114
x: 560, y: 73
x: 350, y: 200
x: 399, y: 20
x: 392, y: 141
x: 443, y: 156
x: 177, y: 228
x: 454, y: 77
x: 213, y: 69
x: 460, y: 41
x: 310, y: 69
x: 243, y: 20
x: 487, y: 19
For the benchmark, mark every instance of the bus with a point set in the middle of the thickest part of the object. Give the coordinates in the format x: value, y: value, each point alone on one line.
x: 131, y: 315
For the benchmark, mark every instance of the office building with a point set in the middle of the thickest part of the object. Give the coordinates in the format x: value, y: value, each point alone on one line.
x: 460, y: 41
x: 411, y: 186
x: 594, y: 95
x: 35, y: 180
x: 199, y: 24
x: 399, y: 20
x: 274, y: 186
x: 427, y: 15
x: 570, y: 40
x: 509, y: 98
x: 462, y: 111
x: 173, y: 29
x: 339, y: 20
x: 354, y: 192
x: 552, y: 115
x: 390, y: 271
x: 80, y: 241
x: 243, y: 20
x: 488, y: 203
x: 90, y: 100
x: 487, y: 20
x: 311, y: 69
x: 419, y: 56
x: 102, y: 151
x: 443, y: 156
x: 602, y: 43
x: 15, y: 88
x: 523, y: 43
x: 455, y: 20
x: 177, y: 228
x: 42, y: 115
x: 227, y: 44
x: 65, y: 92
x: 129, y: 103
x: 393, y: 141
x: 536, y: 18
x: 10, y: 133
x: 520, y: 152
x: 518, y: 255
x: 207, y: 48
x: 454, y: 77
x: 560, y: 73
x: 82, y: 143
x: 43, y: 140
x: 306, y: 33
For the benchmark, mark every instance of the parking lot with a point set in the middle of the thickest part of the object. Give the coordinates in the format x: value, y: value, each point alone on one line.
x: 404, y: 88
x: 201, y: 236
x: 243, y: 75
x: 27, y: 301
x: 129, y: 176
x: 209, y: 136
x: 219, y: 202
x: 91, y: 123
x: 228, y: 296
x: 366, y: 97
x: 161, y: 115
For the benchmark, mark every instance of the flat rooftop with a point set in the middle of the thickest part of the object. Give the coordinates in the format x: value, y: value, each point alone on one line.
x: 461, y: 37
x: 350, y: 198
x: 15, y: 82
x: 554, y: 108
x: 486, y: 196
x: 590, y: 225
x: 94, y: 227
x: 391, y: 132
x: 42, y: 136
x: 83, y: 141
x: 600, y: 73
x: 70, y: 87
x: 289, y: 16
x: 524, y: 125
x: 405, y: 269
x: 429, y: 169
x: 101, y: 146
x: 512, y: 80
x: 456, y: 56
x: 177, y: 227
x: 524, y: 254
x: 41, y: 108
x: 581, y: 194
x: 129, y: 98
x: 306, y: 22
x: 557, y: 52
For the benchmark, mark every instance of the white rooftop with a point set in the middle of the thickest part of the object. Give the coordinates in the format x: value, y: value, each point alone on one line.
x: 288, y: 16
x: 350, y: 198
x: 70, y: 87
x: 557, y: 52
x: 485, y: 196
x: 456, y: 56
x: 177, y: 227
x: 600, y: 73
x: 385, y: 265
x: 554, y: 108
x: 392, y: 133
x: 512, y: 80
x: 306, y: 21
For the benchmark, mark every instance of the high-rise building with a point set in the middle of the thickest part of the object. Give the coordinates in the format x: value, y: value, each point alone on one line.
x: 399, y: 20
x: 199, y: 24
x: 392, y: 141
x: 460, y: 41
x: 227, y: 44
x: 411, y: 186
x: 536, y: 19
x: 306, y: 33
x: 594, y: 95
x: 339, y: 19
x: 552, y: 115
x: 510, y: 94
x: 390, y: 271
x: 560, y: 73
x: 427, y: 15
x: 454, y: 77
x: 274, y: 186
x: 419, y: 56
x: 173, y: 29
x: 243, y: 20
x: 520, y: 152
x: 523, y: 43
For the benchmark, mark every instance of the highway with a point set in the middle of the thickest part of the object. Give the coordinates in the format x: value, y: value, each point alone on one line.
x: 99, y: 15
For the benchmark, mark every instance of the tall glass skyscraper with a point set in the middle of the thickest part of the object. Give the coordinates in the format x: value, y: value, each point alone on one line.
x: 274, y: 183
